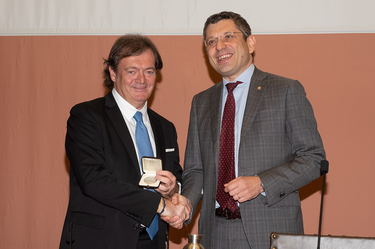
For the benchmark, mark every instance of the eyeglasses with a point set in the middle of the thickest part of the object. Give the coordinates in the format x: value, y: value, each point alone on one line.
x: 226, y: 37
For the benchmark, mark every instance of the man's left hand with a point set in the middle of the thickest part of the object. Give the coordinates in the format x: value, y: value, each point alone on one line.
x: 244, y: 188
x: 168, y: 185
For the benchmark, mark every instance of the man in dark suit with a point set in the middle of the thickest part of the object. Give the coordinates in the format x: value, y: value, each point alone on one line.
x: 107, y: 207
x: 259, y: 130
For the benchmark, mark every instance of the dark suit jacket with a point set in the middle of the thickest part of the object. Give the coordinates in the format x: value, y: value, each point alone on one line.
x: 106, y: 205
x: 279, y: 142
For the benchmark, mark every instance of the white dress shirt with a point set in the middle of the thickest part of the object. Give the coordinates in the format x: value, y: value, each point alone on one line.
x: 240, y: 95
x: 128, y: 111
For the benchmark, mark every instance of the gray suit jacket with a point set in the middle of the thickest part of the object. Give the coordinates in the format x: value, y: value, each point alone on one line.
x: 279, y: 142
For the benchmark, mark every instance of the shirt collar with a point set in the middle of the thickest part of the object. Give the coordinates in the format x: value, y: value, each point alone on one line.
x: 244, y: 77
x: 127, y: 109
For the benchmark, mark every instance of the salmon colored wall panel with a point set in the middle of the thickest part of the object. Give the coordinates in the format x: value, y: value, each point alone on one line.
x: 43, y: 77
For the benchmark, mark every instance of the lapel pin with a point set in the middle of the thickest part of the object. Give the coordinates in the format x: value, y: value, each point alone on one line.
x: 259, y: 87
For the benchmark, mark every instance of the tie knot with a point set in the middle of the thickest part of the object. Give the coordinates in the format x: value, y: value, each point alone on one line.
x: 232, y: 86
x: 138, y: 117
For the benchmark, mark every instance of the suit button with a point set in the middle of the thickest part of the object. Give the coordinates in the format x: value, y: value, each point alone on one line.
x: 282, y: 195
x: 136, y: 226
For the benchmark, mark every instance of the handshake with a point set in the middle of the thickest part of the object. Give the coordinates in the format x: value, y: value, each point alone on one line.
x: 177, y: 210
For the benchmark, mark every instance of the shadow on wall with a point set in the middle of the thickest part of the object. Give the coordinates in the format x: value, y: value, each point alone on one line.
x: 312, y: 188
x: 67, y: 164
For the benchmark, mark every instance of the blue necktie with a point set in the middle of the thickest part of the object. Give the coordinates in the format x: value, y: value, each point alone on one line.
x: 144, y: 149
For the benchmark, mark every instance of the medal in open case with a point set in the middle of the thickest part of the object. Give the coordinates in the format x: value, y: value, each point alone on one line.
x: 150, y: 166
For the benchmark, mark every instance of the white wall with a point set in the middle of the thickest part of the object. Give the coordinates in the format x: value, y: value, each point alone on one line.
x: 158, y: 17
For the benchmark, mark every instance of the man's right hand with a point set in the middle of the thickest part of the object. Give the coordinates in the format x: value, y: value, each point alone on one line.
x: 179, y: 199
x: 176, y: 211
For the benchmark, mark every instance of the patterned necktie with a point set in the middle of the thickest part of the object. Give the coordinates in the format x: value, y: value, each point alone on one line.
x: 144, y: 149
x: 226, y: 155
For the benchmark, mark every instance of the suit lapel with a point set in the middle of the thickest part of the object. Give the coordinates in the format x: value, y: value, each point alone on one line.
x: 257, y: 89
x: 215, y: 117
x: 158, y: 136
x: 115, y: 116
